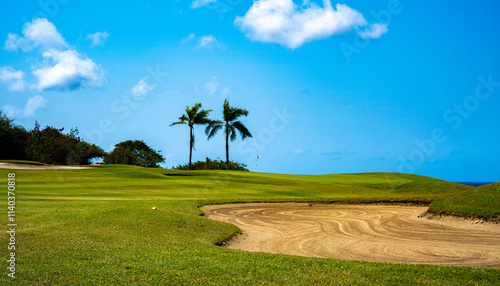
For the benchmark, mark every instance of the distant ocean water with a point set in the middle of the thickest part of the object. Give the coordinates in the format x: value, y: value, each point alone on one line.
x: 475, y: 184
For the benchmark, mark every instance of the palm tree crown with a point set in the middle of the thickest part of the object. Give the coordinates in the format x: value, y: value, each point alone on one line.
x: 230, y: 124
x: 193, y: 116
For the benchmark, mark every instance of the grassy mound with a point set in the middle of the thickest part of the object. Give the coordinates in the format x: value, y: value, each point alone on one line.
x: 481, y: 202
x: 97, y: 227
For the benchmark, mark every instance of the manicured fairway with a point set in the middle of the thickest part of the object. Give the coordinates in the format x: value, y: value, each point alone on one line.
x: 96, y: 227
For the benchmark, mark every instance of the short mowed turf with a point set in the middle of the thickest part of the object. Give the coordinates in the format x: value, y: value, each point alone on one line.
x: 97, y: 227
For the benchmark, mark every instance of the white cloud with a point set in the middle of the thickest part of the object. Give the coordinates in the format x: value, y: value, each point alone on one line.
x: 200, y: 3
x: 285, y: 23
x: 14, y: 42
x: 37, y: 33
x: 187, y: 39
x: 33, y: 104
x: 12, y: 78
x: 375, y: 31
x: 62, y: 68
x: 98, y: 38
x: 212, y: 85
x: 141, y: 88
x: 10, y: 111
x: 298, y: 151
x: 225, y: 91
x: 31, y: 107
x: 69, y: 71
x: 209, y: 41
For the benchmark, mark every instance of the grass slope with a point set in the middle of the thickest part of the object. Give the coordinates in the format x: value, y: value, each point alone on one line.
x: 481, y: 202
x: 96, y: 227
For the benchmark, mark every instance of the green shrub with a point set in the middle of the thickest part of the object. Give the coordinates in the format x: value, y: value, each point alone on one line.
x: 217, y: 164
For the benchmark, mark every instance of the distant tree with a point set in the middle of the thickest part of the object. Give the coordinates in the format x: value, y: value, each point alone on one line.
x: 82, y: 152
x: 51, y: 146
x: 135, y: 152
x: 230, y: 124
x: 48, y: 145
x: 12, y: 139
x: 194, y: 116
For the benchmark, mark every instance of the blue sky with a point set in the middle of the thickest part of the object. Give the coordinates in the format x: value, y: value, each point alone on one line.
x: 409, y: 86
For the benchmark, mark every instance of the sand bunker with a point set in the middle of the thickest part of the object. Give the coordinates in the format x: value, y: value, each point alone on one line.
x: 360, y: 232
x: 36, y: 167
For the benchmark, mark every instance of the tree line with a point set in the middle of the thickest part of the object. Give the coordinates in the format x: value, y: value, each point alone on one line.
x: 50, y: 145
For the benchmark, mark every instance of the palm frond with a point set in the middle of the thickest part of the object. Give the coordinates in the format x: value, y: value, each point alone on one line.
x: 230, y: 113
x: 232, y: 133
x: 177, y: 123
x: 242, y: 129
x: 201, y: 117
x: 213, y: 127
x: 183, y: 120
x: 237, y: 112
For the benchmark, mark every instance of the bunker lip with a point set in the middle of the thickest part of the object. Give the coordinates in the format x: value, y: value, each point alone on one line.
x: 377, y: 233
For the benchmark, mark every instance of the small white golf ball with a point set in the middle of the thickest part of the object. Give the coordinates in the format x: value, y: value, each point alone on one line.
x: 154, y: 208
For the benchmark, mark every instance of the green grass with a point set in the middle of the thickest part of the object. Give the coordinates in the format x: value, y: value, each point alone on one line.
x: 481, y: 202
x: 96, y: 227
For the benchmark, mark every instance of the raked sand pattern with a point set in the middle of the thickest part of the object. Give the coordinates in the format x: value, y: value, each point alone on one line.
x: 379, y: 233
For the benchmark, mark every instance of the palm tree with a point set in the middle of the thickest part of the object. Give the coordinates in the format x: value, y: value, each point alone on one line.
x: 193, y: 116
x: 230, y: 124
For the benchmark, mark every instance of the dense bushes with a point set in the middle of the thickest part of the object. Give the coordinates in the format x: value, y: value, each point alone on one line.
x: 12, y: 139
x: 134, y: 152
x: 216, y: 164
x: 49, y: 145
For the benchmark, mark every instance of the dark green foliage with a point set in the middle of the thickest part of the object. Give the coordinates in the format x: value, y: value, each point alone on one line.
x: 82, y: 152
x: 12, y: 139
x: 51, y: 146
x: 217, y: 164
x: 135, y: 152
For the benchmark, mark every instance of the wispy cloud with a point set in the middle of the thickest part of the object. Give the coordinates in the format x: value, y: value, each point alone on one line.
x: 375, y: 31
x: 225, y: 91
x: 200, y: 3
x: 141, y: 88
x: 209, y: 41
x: 187, y: 39
x: 212, y: 85
x: 206, y: 41
x: 12, y: 78
x: 98, y: 38
x: 290, y: 25
x: 32, y: 105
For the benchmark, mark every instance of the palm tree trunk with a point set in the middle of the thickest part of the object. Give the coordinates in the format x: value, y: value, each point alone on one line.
x: 190, y: 145
x: 227, y: 148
